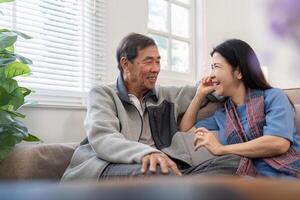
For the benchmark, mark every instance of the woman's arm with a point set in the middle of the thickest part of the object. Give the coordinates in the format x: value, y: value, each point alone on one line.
x: 265, y: 146
x: 190, y: 116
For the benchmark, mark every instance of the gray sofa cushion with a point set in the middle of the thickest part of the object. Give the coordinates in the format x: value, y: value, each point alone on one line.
x: 37, y: 161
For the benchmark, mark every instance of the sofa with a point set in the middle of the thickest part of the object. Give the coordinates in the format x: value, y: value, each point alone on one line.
x: 45, y: 161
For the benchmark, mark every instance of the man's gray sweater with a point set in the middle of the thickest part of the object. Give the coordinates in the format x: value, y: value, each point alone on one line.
x: 113, y: 127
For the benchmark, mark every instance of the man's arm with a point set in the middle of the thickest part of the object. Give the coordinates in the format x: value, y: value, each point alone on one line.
x: 180, y: 96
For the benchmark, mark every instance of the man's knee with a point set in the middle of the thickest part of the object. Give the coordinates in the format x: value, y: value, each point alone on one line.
x: 129, y: 170
x: 225, y: 165
x: 231, y: 159
x: 120, y: 170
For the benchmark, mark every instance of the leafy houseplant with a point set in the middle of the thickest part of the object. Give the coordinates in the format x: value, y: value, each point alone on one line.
x: 12, y: 130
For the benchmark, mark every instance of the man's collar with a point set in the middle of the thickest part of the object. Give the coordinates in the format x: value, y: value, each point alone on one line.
x: 123, y: 92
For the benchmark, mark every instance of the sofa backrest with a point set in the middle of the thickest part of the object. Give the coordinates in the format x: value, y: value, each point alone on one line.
x: 294, y: 95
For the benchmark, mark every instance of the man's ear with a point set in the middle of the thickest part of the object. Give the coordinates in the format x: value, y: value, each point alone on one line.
x: 124, y: 64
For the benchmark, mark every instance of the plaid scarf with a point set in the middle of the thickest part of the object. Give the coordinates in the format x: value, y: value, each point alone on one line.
x: 288, y: 162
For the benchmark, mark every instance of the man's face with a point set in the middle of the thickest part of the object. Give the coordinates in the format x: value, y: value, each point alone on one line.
x: 142, y: 72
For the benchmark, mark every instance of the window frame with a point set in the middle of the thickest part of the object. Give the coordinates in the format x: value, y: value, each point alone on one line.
x: 168, y: 76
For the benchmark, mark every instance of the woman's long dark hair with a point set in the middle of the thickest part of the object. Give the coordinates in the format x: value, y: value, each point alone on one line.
x: 239, y: 54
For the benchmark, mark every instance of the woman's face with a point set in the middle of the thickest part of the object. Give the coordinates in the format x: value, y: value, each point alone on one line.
x: 223, y: 77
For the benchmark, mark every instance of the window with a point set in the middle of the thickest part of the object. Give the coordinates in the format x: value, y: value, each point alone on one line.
x: 67, y: 48
x: 170, y: 23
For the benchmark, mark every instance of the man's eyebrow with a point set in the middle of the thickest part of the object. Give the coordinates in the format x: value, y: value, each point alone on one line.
x: 151, y: 58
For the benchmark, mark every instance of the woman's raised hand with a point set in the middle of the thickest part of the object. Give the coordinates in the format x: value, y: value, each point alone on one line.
x: 206, y: 86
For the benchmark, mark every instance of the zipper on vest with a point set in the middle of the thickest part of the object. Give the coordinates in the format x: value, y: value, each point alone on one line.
x: 141, y: 121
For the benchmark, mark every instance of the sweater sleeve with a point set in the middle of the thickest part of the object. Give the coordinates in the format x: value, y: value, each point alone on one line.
x: 103, y: 130
x: 180, y: 96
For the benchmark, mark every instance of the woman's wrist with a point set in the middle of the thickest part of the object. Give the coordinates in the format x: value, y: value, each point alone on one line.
x: 223, y: 150
x: 200, y: 96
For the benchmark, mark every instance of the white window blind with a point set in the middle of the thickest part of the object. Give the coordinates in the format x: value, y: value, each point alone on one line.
x: 67, y: 48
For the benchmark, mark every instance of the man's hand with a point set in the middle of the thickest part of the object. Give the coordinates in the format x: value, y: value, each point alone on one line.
x: 150, y: 162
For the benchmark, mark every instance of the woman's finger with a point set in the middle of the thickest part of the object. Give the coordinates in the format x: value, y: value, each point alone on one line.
x: 202, y: 129
x: 197, y: 139
x: 199, y: 145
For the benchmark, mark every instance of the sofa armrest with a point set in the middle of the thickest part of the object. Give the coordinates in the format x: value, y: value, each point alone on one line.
x: 37, y: 161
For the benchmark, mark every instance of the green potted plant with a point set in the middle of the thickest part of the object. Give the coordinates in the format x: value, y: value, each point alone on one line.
x: 12, y: 96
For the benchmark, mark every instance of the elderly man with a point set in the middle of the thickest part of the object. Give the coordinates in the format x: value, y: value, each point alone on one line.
x: 131, y: 125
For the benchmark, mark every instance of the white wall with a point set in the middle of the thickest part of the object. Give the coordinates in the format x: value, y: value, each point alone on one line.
x: 216, y: 21
x: 123, y: 17
x: 249, y: 21
x: 55, y: 124
x: 227, y: 19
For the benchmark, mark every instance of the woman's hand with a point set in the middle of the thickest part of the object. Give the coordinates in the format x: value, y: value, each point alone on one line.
x: 206, y: 86
x: 207, y: 139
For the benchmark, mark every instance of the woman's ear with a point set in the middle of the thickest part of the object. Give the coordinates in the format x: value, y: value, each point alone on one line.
x: 238, y: 73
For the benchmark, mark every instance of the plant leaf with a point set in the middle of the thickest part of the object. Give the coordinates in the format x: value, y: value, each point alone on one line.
x: 3, y: 1
x: 13, y: 126
x: 11, y: 132
x: 25, y: 91
x: 7, y: 57
x: 10, y: 49
x: 6, y: 61
x: 2, y: 72
x: 10, y: 138
x: 4, y: 96
x: 31, y: 138
x: 16, y: 98
x: 7, y: 39
x: 9, y: 84
x: 7, y: 142
x: 22, y: 59
x: 14, y: 32
x: 12, y: 112
x: 20, y: 128
x: 5, y: 150
x: 16, y: 69
x: 23, y: 35
x: 5, y: 118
